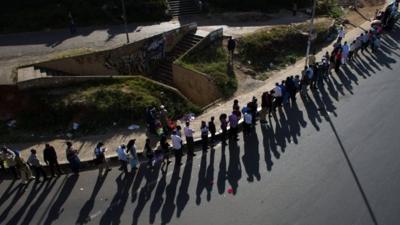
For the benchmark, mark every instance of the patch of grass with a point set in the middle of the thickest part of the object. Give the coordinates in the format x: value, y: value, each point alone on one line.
x: 280, y: 46
x: 329, y: 8
x: 96, y: 105
x: 214, y: 62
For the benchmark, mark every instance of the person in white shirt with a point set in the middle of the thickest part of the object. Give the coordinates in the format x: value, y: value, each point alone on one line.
x: 177, y: 146
x: 123, y: 158
x: 188, y: 131
x: 34, y: 162
x: 341, y: 35
x: 247, y: 122
x: 345, y: 52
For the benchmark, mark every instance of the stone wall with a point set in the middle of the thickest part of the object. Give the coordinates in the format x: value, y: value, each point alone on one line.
x: 140, y: 57
x: 197, y: 87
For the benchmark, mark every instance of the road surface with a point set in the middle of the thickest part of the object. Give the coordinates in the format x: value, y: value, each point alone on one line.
x: 333, y: 159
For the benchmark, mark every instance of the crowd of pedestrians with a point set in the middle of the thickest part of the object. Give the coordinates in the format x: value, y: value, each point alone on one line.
x: 171, y: 140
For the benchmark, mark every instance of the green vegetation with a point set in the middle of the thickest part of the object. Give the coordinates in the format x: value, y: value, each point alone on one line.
x: 25, y: 15
x: 213, y: 61
x: 330, y: 8
x: 279, y: 46
x: 96, y: 105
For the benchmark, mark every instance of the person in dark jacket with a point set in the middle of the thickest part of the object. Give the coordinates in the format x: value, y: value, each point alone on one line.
x: 212, y: 129
x: 50, y: 158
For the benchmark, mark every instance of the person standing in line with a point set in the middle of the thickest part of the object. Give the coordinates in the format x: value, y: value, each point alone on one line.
x: 50, y: 158
x: 163, y: 113
x: 212, y: 129
x: 342, y: 34
x: 236, y: 109
x: 264, y: 107
x: 131, y: 149
x: 224, y: 127
x: 34, y: 162
x: 178, y: 130
x: 285, y: 94
x: 24, y: 169
x: 345, y: 52
x: 278, y: 96
x: 311, y: 59
x: 177, y: 146
x: 233, y: 123
x: 352, y: 50
x: 9, y: 158
x: 231, y: 48
x: 101, y: 160
x: 123, y: 158
x: 204, y: 135
x: 314, y: 77
x: 365, y: 41
x: 149, y: 152
x: 338, y: 60
x: 253, y: 109
x: 189, y: 139
x: 247, y: 123
x: 72, y: 157
x: 165, y: 148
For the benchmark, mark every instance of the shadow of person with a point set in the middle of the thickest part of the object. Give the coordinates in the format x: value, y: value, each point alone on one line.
x: 169, y: 206
x: 269, y: 145
x: 39, y: 201
x: 116, y: 208
x: 251, y: 156
x: 295, y: 120
x: 312, y: 112
x: 183, y: 196
x: 22, y: 209
x: 326, y: 100
x: 8, y: 192
x: 345, y: 81
x: 138, y: 181
x: 151, y: 176
x: 201, y: 182
x: 19, y: 192
x: 210, y: 175
x: 234, y: 172
x: 221, y: 180
x: 56, y: 209
x: 158, y: 197
x: 84, y: 214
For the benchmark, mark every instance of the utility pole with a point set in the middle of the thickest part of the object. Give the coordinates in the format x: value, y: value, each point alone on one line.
x: 310, y: 30
x: 125, y: 22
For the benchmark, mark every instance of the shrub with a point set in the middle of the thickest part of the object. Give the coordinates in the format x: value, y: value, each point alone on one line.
x: 278, y: 46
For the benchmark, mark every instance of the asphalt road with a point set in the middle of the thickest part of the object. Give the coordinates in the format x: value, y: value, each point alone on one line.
x: 331, y: 160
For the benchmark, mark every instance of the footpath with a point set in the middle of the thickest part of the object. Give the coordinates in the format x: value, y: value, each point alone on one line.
x: 86, y: 145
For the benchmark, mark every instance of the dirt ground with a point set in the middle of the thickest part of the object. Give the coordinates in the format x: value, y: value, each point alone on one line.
x: 364, y: 13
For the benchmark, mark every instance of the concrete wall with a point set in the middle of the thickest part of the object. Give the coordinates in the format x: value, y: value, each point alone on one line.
x: 140, y: 57
x: 197, y: 87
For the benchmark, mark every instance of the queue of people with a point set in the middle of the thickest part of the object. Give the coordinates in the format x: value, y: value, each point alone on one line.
x: 283, y: 94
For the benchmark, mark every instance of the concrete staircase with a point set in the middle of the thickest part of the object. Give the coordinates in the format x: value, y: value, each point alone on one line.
x: 35, y: 72
x: 183, y: 7
x: 164, y: 71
